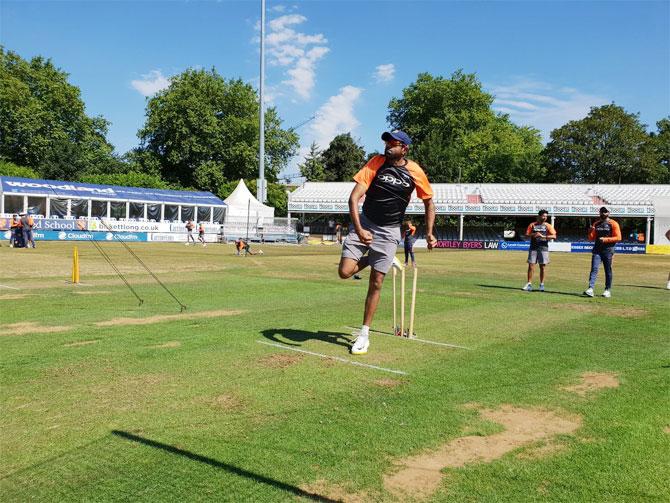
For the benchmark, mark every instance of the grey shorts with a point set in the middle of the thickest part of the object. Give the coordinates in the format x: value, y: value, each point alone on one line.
x: 538, y: 257
x: 381, y: 251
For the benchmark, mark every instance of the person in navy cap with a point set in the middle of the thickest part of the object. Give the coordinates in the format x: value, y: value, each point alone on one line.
x: 387, y: 182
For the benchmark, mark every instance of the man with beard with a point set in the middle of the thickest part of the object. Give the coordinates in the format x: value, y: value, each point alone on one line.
x: 606, y: 233
x: 387, y: 182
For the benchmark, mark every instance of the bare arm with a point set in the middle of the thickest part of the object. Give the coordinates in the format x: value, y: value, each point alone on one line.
x: 430, y: 222
x: 359, y: 191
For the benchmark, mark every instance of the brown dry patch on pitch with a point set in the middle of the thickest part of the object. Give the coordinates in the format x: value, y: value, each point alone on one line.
x: 81, y: 343
x: 543, y: 488
x: 15, y: 296
x: 540, y: 451
x: 322, y: 489
x: 225, y: 401
x: 387, y: 383
x: 593, y: 381
x: 667, y: 429
x: 280, y: 360
x: 150, y: 320
x: 618, y: 312
x: 420, y: 475
x: 31, y: 327
x: 167, y: 345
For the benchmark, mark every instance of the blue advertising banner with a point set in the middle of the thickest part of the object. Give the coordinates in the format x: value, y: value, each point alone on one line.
x: 86, y: 236
x: 12, y: 185
x: 514, y: 245
x: 630, y: 248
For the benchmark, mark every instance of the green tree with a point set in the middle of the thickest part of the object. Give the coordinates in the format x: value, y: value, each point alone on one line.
x: 502, y: 152
x: 209, y: 176
x: 11, y: 169
x: 342, y: 159
x: 312, y: 169
x: 457, y: 136
x: 203, y: 118
x: 43, y: 124
x: 130, y: 179
x: 659, y: 142
x: 609, y: 145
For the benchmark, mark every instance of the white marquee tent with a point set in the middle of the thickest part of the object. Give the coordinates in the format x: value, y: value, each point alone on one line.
x: 241, y: 203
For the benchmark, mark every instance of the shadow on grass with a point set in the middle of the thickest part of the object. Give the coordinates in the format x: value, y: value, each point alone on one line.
x: 282, y: 335
x: 224, y: 466
x: 647, y: 286
x: 547, y: 292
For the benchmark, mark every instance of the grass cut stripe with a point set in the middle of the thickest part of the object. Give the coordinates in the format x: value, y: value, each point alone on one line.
x: 328, y: 357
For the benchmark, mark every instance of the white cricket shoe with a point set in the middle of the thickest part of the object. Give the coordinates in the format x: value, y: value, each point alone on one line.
x: 607, y: 294
x: 528, y: 287
x: 397, y: 264
x: 360, y: 346
x: 588, y: 292
x: 668, y: 286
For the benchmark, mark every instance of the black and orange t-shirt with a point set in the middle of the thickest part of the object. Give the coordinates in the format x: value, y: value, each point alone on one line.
x: 390, y: 189
x: 547, y: 231
x: 609, y: 232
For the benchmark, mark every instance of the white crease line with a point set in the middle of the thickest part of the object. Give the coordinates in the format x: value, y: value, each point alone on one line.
x: 412, y: 339
x: 344, y: 360
x: 10, y: 287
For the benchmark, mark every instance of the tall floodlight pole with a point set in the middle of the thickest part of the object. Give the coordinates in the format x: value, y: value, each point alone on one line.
x: 260, y: 188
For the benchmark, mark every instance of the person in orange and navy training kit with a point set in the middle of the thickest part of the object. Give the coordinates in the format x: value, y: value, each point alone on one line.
x: 387, y: 182
x: 189, y: 233
x: 27, y: 224
x: 14, y: 230
x: 409, y: 239
x: 201, y: 234
x: 606, y: 233
x: 540, y: 233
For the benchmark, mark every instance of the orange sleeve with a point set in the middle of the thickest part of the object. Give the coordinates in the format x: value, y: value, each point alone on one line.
x: 592, y: 233
x: 412, y: 229
x: 529, y: 230
x: 423, y: 188
x: 551, y: 232
x: 368, y: 172
x: 616, y: 233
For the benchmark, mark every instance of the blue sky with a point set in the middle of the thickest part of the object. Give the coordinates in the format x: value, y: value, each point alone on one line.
x: 546, y: 62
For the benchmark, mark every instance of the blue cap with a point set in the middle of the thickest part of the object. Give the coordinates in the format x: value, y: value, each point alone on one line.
x: 397, y: 135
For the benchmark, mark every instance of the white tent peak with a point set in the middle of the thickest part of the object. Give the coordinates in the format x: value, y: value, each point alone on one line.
x: 241, y: 201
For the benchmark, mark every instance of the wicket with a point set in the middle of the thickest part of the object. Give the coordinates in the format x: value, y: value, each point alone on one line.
x: 400, y: 330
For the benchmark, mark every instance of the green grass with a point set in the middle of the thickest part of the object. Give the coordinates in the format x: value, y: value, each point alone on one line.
x: 220, y: 417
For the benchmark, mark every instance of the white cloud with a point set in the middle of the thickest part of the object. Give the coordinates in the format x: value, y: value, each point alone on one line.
x: 543, y: 105
x: 151, y: 83
x: 335, y: 116
x: 385, y: 73
x: 298, y: 52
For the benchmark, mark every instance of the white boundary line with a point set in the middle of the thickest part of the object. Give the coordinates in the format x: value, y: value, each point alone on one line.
x: 344, y: 360
x: 413, y: 339
x: 10, y: 287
